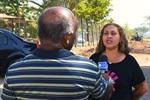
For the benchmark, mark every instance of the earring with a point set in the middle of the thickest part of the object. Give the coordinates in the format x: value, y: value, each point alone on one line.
x: 67, y: 41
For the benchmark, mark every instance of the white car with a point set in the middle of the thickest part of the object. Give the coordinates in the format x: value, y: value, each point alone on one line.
x: 80, y: 40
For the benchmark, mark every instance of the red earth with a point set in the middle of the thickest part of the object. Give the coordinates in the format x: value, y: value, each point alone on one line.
x: 140, y: 50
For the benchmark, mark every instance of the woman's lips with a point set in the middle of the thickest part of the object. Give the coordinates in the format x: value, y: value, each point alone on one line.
x: 108, y: 41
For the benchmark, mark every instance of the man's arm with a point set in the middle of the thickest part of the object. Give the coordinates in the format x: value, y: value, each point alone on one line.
x: 109, y: 89
x: 139, y: 90
x: 103, y: 88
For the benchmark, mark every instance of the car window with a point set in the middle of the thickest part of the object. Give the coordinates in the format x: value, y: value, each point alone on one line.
x: 3, y: 39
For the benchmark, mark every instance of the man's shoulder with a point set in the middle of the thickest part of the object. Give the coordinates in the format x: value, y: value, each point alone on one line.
x: 82, y: 58
x: 22, y: 60
x: 95, y: 55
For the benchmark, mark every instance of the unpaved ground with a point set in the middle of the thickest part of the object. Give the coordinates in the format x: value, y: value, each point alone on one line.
x: 140, y: 50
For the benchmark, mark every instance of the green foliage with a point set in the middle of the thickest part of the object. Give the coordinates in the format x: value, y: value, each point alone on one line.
x: 71, y: 4
x: 2, y: 24
x: 11, y: 6
x: 21, y: 9
x: 93, y: 9
x: 142, y: 29
x: 148, y: 20
x: 32, y: 30
x: 129, y: 32
x: 148, y: 37
x: 87, y: 9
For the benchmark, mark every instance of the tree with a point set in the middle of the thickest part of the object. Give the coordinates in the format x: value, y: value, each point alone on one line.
x: 142, y: 30
x: 86, y: 9
x: 22, y: 10
x: 71, y: 4
x: 90, y: 10
x: 148, y: 19
x: 129, y: 32
x: 12, y: 6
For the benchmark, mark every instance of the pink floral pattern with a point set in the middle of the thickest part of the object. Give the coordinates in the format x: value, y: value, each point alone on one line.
x: 113, y: 77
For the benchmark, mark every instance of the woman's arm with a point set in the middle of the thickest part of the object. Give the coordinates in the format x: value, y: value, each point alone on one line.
x: 139, y: 90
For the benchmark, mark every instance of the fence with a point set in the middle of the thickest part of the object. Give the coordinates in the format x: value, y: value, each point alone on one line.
x: 87, y: 33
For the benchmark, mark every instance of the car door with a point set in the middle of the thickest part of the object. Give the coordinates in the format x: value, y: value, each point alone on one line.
x: 5, y: 47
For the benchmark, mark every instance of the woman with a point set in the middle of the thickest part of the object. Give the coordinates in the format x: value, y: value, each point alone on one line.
x: 129, y: 80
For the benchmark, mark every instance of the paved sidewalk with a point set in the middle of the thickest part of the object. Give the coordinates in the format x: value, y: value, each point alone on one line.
x: 146, y: 71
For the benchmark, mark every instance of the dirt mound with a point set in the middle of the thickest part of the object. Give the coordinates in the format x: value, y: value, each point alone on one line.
x: 140, y: 47
x: 84, y: 51
x: 140, y: 50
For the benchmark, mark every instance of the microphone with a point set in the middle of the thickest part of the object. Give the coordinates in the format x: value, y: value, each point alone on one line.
x: 102, y: 64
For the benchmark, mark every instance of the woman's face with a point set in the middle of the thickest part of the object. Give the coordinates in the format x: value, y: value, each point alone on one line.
x: 111, y: 37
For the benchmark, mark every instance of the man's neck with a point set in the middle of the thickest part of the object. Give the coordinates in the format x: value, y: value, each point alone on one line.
x: 51, y: 46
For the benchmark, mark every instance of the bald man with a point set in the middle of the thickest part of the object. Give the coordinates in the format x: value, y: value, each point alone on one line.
x: 52, y: 72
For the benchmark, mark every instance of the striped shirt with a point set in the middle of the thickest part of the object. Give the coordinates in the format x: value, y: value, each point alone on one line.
x: 53, y: 75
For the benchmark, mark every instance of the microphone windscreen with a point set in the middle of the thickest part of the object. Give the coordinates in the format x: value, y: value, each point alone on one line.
x: 103, y: 58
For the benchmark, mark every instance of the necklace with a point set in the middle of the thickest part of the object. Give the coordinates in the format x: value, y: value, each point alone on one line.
x: 109, y: 62
x: 114, y: 59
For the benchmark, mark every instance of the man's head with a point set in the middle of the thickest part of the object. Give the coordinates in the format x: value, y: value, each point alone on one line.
x: 57, y: 26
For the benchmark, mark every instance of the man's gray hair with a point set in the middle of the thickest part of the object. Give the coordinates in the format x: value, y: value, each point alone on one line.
x: 54, y: 30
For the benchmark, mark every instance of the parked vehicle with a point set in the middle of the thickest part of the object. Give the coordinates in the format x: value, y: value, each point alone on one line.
x: 137, y: 38
x: 12, y: 47
x: 80, y: 40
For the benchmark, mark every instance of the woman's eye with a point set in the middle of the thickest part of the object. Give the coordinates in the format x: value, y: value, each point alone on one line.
x: 113, y: 33
x: 105, y: 33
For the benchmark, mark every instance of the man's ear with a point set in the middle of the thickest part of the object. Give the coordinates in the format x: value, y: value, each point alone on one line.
x: 66, y: 39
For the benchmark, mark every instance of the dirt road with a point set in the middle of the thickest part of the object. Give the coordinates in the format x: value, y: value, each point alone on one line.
x: 146, y: 70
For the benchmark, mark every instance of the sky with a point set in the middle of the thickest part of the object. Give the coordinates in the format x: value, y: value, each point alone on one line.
x: 131, y: 12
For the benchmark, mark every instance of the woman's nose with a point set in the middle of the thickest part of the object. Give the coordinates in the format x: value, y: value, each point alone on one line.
x: 109, y: 35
